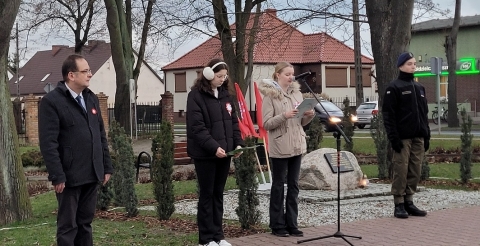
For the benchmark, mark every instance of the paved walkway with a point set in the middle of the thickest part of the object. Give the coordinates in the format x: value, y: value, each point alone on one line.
x: 452, y: 227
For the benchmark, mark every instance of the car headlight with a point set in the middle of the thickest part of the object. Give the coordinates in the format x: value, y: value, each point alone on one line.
x: 354, y: 118
x: 334, y: 119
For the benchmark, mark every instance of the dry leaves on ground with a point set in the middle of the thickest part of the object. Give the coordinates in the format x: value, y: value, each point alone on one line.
x: 176, y: 224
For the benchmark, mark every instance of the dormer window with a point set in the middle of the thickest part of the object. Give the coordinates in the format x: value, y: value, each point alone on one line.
x: 44, y: 78
x: 21, y: 77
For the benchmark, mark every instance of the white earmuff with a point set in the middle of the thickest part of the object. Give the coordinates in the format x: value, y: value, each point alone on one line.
x: 208, y: 72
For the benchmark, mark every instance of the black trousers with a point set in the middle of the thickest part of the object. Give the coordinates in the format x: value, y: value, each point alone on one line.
x: 76, y: 209
x: 212, y: 176
x: 284, y: 216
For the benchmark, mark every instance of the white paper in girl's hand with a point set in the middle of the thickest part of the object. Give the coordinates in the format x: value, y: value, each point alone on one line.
x: 307, y: 104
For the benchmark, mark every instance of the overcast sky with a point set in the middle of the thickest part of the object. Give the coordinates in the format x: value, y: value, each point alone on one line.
x: 469, y: 7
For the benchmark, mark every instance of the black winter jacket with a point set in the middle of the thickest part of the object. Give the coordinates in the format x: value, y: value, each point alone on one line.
x: 211, y: 123
x: 73, y: 142
x: 405, y: 109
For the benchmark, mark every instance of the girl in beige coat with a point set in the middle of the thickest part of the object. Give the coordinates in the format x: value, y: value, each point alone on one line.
x: 286, y: 145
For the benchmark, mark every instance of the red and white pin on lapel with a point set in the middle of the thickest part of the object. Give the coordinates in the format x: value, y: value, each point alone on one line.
x: 228, y: 106
x: 94, y: 111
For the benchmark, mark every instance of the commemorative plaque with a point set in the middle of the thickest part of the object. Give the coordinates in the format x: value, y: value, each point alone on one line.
x: 345, y: 165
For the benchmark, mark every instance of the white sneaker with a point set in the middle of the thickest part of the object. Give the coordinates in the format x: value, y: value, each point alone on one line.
x: 212, y: 243
x: 224, y: 243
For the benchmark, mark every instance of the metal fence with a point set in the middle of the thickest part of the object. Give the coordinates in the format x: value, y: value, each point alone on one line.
x: 147, y: 116
x: 19, y: 117
x: 353, y: 103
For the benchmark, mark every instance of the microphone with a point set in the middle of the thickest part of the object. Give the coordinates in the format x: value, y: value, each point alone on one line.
x: 302, y: 75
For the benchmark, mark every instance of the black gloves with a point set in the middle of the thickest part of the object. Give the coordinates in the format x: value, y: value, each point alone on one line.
x: 397, y: 145
x: 426, y: 144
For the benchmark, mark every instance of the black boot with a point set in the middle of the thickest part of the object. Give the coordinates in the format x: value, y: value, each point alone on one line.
x: 400, y: 211
x: 413, y: 210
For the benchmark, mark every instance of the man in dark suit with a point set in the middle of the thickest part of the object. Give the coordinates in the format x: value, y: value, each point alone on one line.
x: 74, y: 146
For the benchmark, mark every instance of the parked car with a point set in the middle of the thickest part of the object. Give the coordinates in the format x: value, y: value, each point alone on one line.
x: 335, y: 113
x: 365, y: 113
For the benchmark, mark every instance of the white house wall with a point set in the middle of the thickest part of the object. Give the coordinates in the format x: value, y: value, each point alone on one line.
x: 180, y: 98
x: 260, y: 72
x: 149, y: 88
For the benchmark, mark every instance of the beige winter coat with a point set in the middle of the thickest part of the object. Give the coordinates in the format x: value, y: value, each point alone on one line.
x: 286, y: 137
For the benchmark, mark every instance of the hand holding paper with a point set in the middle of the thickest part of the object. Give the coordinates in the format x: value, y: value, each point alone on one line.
x: 306, y: 105
x: 291, y: 113
x: 240, y: 150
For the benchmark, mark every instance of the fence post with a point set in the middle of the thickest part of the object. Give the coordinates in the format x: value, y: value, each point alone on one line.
x: 167, y: 107
x: 31, y: 119
x: 17, y: 113
x: 102, y: 99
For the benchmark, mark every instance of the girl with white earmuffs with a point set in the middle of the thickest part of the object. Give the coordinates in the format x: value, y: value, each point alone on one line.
x: 212, y: 131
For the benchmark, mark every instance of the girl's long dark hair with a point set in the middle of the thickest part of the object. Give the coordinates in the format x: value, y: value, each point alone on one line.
x: 203, y: 84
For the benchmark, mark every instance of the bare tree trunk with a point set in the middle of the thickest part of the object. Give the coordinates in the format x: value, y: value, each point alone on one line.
x: 81, y: 40
x: 358, y: 55
x: 225, y: 35
x: 451, y: 52
x: 143, y: 43
x: 15, y: 202
x: 123, y: 59
x: 390, y: 26
x: 234, y: 53
x: 251, y: 45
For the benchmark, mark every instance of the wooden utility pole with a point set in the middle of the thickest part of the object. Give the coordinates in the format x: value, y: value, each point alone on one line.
x: 358, y: 55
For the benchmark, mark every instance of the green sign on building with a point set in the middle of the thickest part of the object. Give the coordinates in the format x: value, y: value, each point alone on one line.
x: 464, y: 66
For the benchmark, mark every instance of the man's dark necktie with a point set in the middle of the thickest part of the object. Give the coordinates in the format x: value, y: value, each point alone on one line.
x: 79, y: 100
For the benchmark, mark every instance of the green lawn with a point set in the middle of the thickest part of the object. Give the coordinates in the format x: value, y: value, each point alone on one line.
x: 438, y: 170
x: 40, y: 230
x: 24, y: 149
x: 364, y: 144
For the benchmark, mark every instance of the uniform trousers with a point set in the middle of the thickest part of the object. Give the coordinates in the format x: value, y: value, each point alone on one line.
x: 407, y: 169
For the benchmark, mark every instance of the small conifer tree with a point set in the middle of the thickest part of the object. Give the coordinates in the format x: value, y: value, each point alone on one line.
x: 425, y: 169
x: 466, y: 137
x: 347, y: 125
x: 162, y: 168
x: 105, y: 196
x: 248, y: 202
x: 123, y: 161
x: 379, y: 135
x: 315, y: 134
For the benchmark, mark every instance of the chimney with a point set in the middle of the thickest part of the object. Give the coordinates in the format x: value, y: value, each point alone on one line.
x: 57, y: 48
x: 93, y: 43
x: 271, y: 11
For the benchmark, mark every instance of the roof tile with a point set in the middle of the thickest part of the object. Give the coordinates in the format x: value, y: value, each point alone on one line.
x: 50, y: 62
x: 276, y: 41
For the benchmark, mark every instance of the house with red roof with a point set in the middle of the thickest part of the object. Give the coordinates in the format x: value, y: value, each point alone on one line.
x: 330, y: 61
x: 44, y: 69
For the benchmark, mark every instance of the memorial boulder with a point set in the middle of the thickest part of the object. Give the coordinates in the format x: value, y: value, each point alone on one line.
x: 319, y: 170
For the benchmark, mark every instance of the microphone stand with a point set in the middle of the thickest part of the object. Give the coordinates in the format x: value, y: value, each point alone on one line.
x: 336, y: 134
